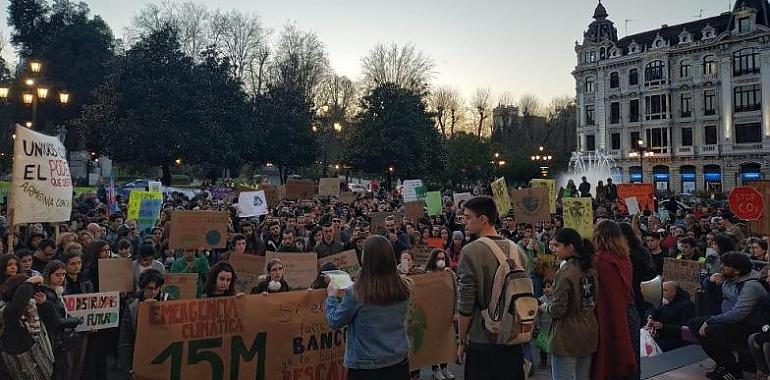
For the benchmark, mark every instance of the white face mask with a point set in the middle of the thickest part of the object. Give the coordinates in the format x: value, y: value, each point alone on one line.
x: 404, y: 264
x: 440, y: 264
x: 664, y: 301
x: 274, y: 286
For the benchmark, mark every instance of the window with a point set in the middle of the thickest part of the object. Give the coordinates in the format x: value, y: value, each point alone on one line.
x: 687, y: 136
x: 710, y: 103
x: 710, y: 135
x: 748, y: 133
x: 615, y: 113
x: 745, y: 61
x: 686, y: 105
x: 633, y: 77
x: 709, y: 65
x: 614, y: 80
x: 615, y: 141
x: 589, y: 85
x: 744, y: 25
x: 653, y: 72
x: 657, y: 138
x: 747, y: 98
x: 590, y: 143
x: 589, y: 115
x: 684, y: 69
x: 592, y: 57
x: 633, y: 113
x: 655, y: 107
x: 634, y: 140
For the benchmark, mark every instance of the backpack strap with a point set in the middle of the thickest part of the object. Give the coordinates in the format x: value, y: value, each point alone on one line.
x: 502, y: 257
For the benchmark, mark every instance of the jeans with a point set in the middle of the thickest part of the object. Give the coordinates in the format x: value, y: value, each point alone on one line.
x: 718, y: 340
x: 569, y: 367
x: 760, y: 351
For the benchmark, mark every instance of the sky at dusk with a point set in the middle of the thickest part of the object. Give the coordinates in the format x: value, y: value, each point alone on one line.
x: 514, y: 46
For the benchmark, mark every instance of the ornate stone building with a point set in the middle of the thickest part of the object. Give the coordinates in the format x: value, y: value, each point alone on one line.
x: 696, y: 95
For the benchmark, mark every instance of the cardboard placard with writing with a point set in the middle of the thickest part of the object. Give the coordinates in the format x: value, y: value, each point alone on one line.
x: 248, y: 268
x: 98, y: 311
x: 642, y: 191
x: 762, y: 226
x: 531, y: 205
x: 414, y: 210
x: 276, y: 337
x: 346, y: 261
x: 409, y: 190
x: 549, y: 184
x: 501, y: 197
x: 300, y: 269
x: 273, y: 195
x: 461, y: 198
x: 329, y: 187
x: 579, y: 214
x: 181, y: 286
x: 297, y: 189
x: 135, y: 199
x: 116, y: 275
x: 421, y: 253
x: 196, y: 229
x: 685, y: 272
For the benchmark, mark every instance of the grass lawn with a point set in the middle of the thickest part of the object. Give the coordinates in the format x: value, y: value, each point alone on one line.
x: 5, y: 185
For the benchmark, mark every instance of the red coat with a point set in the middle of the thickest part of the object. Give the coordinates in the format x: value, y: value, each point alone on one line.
x: 616, y: 356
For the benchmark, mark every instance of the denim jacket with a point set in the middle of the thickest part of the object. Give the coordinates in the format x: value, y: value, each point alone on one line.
x: 376, y: 335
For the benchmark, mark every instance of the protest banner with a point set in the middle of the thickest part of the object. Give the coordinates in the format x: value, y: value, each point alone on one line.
x: 433, y: 202
x: 460, y: 199
x: 198, y: 229
x: 552, y: 191
x: 501, y: 197
x: 409, y: 190
x: 531, y: 205
x: 116, y: 275
x: 220, y: 192
x: 347, y: 197
x: 283, y: 336
x: 154, y: 186
x: 579, y: 215
x: 346, y: 261
x: 300, y: 269
x: 135, y: 200
x: 297, y: 189
x: 252, y: 203
x: 421, y: 254
x: 329, y: 187
x: 435, y: 242
x: 248, y: 268
x: 632, y: 204
x: 98, y: 311
x: 41, y: 185
x: 685, y: 272
x: 421, y: 192
x: 272, y: 195
x: 414, y: 210
x: 181, y: 286
x: 642, y: 191
x: 762, y: 226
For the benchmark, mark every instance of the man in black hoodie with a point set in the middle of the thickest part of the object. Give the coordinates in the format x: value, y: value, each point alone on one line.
x: 667, y: 321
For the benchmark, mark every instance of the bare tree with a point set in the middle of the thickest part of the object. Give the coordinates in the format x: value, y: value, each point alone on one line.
x: 457, y: 114
x: 338, y: 92
x: 481, y: 104
x: 530, y: 105
x: 556, y: 105
x: 300, y: 61
x: 505, y: 99
x: 439, y: 101
x: 190, y: 21
x: 243, y: 39
x: 403, y: 66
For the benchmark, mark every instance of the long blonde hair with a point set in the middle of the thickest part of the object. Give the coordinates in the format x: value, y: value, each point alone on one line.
x: 609, y: 237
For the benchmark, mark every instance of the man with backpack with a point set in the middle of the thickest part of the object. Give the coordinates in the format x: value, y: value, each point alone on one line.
x: 495, y: 299
x: 744, y: 312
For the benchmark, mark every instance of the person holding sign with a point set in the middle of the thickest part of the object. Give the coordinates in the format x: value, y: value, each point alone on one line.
x: 374, y: 310
x: 220, y: 281
x: 191, y: 263
x: 150, y: 284
x: 274, y: 282
x: 407, y: 266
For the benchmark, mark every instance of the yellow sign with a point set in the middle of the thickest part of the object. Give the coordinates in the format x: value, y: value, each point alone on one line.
x: 501, y: 197
x: 551, y: 186
x: 579, y: 215
x: 135, y: 201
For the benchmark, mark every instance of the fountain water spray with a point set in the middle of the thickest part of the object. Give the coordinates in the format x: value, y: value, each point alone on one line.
x: 595, y: 167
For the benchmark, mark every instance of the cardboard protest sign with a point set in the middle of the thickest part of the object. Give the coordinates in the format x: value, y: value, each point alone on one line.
x: 685, y: 272
x: 501, y: 197
x: 181, y: 286
x: 283, y: 336
x: 409, y: 191
x: 579, y: 215
x: 300, y: 268
x: 248, y: 268
x: 297, y: 189
x: 433, y: 202
x: 414, y: 210
x: 346, y: 261
x: 41, y: 186
x: 329, y: 187
x: 435, y: 242
x: 552, y: 191
x: 762, y: 226
x: 272, y: 195
x: 98, y: 311
x: 632, y: 204
x: 461, y: 198
x: 135, y: 200
x: 642, y: 191
x: 116, y: 275
x: 196, y: 229
x: 347, y: 197
x: 531, y: 205
x: 378, y: 218
x: 421, y: 254
x: 252, y: 203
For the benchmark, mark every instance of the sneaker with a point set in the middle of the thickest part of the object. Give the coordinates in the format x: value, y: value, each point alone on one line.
x: 438, y: 375
x: 448, y: 375
x: 716, y: 373
x: 729, y: 376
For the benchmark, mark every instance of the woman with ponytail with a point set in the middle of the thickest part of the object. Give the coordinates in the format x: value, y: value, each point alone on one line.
x: 574, y: 331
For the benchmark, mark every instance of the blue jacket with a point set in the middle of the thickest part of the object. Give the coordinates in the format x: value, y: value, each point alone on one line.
x: 741, y: 296
x: 376, y: 335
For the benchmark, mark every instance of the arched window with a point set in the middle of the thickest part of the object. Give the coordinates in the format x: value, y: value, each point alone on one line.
x: 745, y: 61
x: 614, y: 80
x: 633, y: 77
x: 684, y: 69
x: 654, y: 71
x: 709, y: 65
x: 589, y: 85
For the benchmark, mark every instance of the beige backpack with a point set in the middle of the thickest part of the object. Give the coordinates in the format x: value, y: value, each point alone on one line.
x: 510, y: 317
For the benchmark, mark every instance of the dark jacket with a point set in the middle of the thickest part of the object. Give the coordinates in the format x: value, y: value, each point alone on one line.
x: 323, y: 249
x: 643, y: 270
x: 674, y: 315
x: 16, y: 338
x: 262, y: 287
x: 80, y: 286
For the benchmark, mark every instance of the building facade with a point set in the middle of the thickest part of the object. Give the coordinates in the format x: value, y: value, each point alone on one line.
x: 696, y: 95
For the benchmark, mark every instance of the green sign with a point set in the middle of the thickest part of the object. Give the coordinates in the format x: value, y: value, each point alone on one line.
x: 433, y: 201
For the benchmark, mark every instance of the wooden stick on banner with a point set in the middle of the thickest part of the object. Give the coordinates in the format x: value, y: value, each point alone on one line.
x: 11, y: 231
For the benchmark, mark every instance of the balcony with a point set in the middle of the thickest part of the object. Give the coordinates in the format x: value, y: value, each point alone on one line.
x: 616, y: 154
x: 685, y: 151
x: 709, y: 77
x: 709, y: 150
x: 747, y: 147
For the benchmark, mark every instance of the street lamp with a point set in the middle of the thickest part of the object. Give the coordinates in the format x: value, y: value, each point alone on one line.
x: 544, y: 160
x: 35, y: 66
x: 641, y: 151
x: 33, y: 94
x: 326, y: 131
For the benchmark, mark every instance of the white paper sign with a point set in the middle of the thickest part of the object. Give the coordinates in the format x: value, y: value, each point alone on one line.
x: 154, y: 186
x: 98, y: 311
x: 253, y: 203
x: 42, y: 184
x: 461, y: 197
x: 633, y: 205
x: 410, y: 194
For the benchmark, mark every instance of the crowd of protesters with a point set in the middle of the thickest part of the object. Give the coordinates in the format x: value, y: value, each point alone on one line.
x: 591, y: 309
